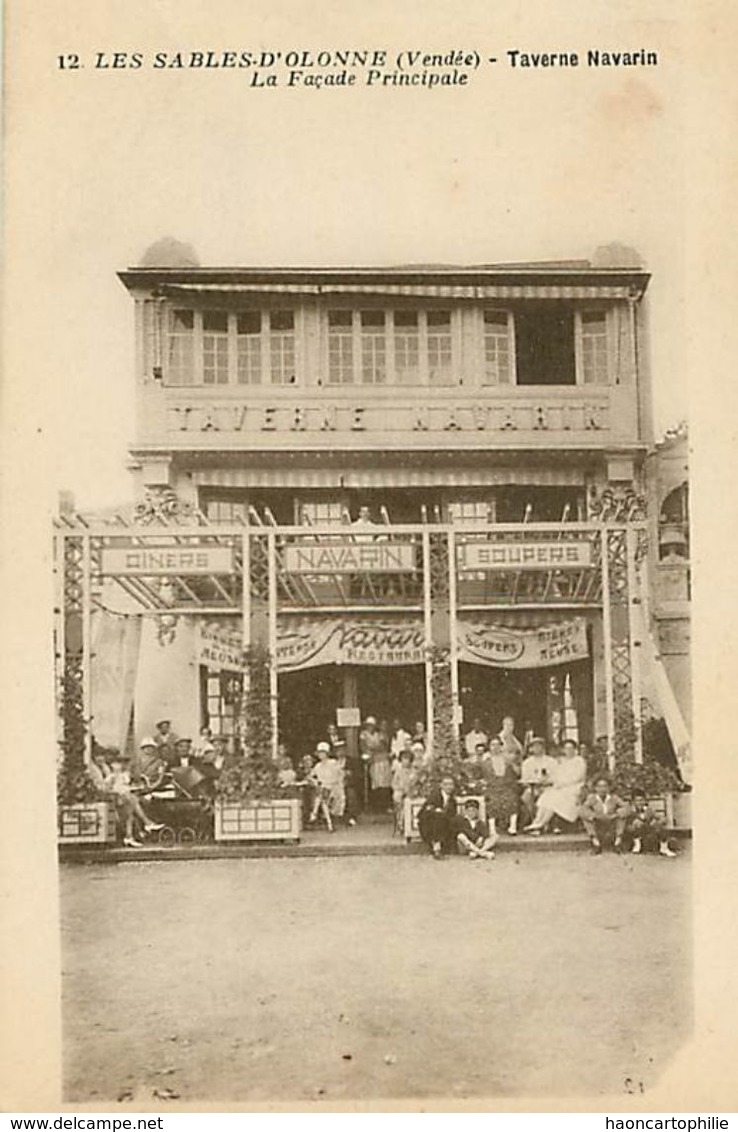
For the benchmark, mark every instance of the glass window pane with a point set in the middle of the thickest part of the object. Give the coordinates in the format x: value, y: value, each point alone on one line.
x: 373, y: 348
x: 248, y: 348
x: 440, y: 353
x: 249, y: 322
x: 181, y: 348
x: 496, y: 348
x: 340, y: 347
x: 282, y: 347
x: 215, y: 347
x: 594, y: 348
x: 407, y: 348
x: 283, y: 320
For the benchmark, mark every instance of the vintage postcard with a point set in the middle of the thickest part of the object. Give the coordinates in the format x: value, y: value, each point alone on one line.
x: 367, y: 578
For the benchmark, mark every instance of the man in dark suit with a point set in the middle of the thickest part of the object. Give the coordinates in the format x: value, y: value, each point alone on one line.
x: 437, y: 818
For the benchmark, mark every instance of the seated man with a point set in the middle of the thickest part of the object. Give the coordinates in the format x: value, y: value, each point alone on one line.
x: 474, y: 836
x: 150, y: 769
x: 603, y: 815
x: 646, y: 829
x: 437, y: 818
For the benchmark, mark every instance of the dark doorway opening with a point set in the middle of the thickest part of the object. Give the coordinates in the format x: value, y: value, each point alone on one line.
x: 392, y: 693
x: 307, y: 704
x: 534, y: 697
x: 544, y: 347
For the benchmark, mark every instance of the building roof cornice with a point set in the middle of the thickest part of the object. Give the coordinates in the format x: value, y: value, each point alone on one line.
x: 576, y: 273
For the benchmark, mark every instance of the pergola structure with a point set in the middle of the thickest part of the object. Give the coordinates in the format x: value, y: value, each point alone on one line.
x: 170, y: 565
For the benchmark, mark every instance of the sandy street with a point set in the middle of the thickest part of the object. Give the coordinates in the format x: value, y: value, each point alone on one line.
x: 327, y: 979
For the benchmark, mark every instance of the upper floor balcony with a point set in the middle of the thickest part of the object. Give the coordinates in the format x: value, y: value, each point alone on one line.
x: 325, y: 359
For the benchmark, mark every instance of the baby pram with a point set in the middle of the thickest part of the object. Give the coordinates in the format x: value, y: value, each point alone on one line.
x: 183, y: 805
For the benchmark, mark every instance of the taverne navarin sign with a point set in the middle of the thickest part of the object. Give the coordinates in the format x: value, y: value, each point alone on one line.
x: 584, y: 414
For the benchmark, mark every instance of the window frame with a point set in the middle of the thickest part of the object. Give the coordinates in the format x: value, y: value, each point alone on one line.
x: 512, y: 371
x: 360, y: 334
x: 266, y: 333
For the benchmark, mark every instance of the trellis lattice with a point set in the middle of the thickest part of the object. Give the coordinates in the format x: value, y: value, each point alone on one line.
x: 440, y: 582
x: 619, y: 596
x: 259, y: 567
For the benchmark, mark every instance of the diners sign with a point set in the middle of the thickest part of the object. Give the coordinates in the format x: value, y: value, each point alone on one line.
x: 524, y: 555
x: 153, y: 561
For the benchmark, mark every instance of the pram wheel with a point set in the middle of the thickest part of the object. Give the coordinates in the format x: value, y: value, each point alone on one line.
x: 167, y: 836
x: 187, y: 835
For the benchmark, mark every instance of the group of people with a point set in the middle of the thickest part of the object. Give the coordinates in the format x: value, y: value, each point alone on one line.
x: 166, y: 765
x: 532, y: 785
x: 522, y: 786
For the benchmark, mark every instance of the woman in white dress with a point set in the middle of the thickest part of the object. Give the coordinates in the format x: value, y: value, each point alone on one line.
x: 562, y: 797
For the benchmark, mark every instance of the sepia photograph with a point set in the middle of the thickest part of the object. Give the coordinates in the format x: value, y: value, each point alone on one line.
x: 359, y: 419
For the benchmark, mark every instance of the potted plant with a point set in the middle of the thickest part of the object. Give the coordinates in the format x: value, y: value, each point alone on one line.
x: 250, y: 803
x: 82, y: 819
x: 446, y: 752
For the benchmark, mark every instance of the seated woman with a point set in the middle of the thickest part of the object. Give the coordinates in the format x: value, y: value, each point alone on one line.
x: 562, y: 796
x: 474, y: 836
x: 502, y: 787
x: 437, y: 818
x: 109, y: 772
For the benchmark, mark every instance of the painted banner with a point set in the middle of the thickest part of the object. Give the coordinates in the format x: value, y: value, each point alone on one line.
x: 309, y: 642
x: 524, y: 555
x: 501, y: 647
x: 305, y: 644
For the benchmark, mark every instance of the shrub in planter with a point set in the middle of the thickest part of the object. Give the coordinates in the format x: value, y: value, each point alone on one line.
x: 73, y: 782
x: 250, y: 802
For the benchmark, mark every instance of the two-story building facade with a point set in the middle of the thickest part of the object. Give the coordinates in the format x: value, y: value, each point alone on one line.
x: 428, y: 456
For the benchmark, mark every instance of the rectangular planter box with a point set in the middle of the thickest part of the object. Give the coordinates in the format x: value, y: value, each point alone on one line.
x: 277, y: 820
x: 676, y: 808
x: 413, y: 807
x: 86, y: 823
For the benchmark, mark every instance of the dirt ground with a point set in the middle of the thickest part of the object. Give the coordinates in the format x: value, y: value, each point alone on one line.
x: 549, y: 974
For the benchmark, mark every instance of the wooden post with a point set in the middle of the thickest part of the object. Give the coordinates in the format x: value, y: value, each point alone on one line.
x: 246, y: 589
x: 350, y: 699
x: 636, y: 628
x: 245, y: 624
x: 272, y: 621
x: 607, y: 635
x: 87, y: 646
x: 453, y: 632
x: 428, y: 638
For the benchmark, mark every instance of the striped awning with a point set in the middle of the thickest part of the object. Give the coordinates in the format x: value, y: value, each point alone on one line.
x: 501, y: 291
x: 387, y: 477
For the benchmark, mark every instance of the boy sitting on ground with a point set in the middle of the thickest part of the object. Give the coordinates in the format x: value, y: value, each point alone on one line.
x: 475, y: 835
x: 603, y: 815
x: 646, y: 828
